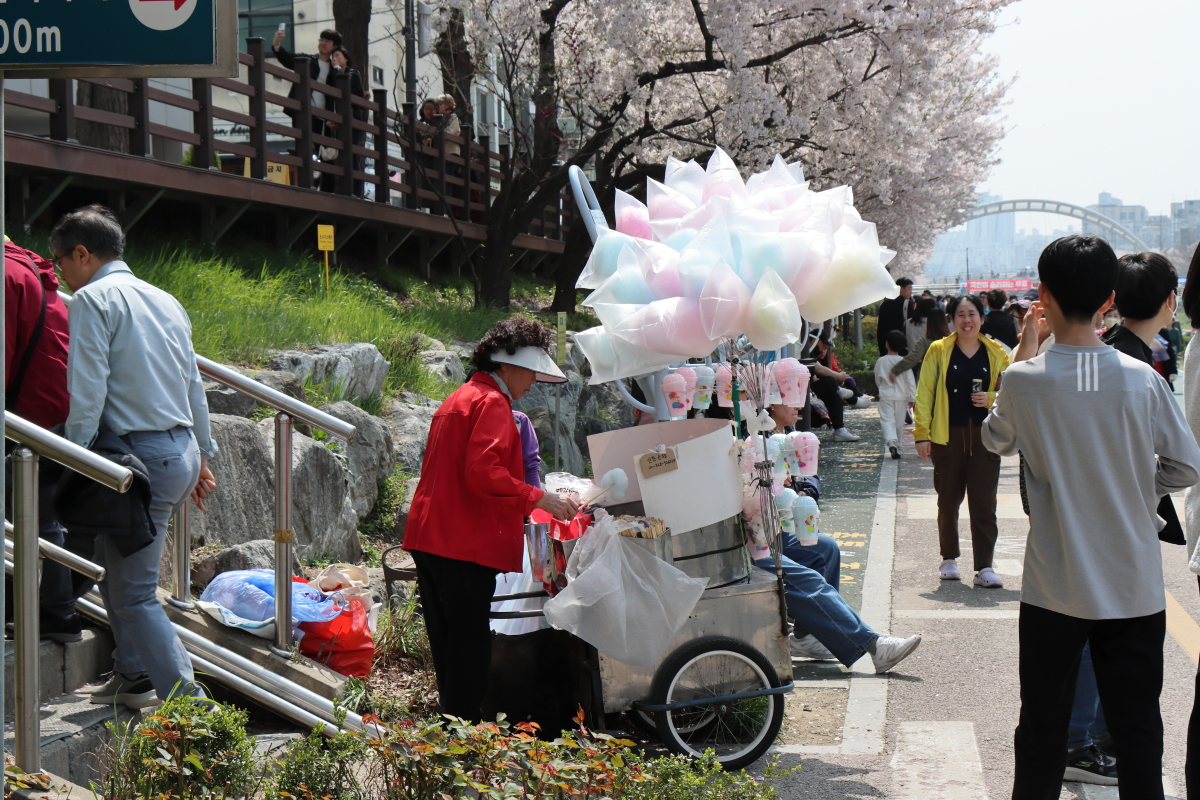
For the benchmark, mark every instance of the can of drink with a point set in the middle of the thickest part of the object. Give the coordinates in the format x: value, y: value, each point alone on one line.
x: 977, y: 386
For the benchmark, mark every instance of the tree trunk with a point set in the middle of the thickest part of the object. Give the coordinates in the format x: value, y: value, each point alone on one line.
x: 353, y: 19
x: 458, y: 70
x: 494, y: 284
x: 101, y: 98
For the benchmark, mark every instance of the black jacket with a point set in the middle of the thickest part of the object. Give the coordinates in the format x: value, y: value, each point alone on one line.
x: 288, y: 61
x: 90, y: 509
x: 892, y: 316
x: 1002, y: 327
x: 1126, y: 341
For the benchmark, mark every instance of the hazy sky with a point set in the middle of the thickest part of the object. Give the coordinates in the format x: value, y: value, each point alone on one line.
x: 1104, y: 100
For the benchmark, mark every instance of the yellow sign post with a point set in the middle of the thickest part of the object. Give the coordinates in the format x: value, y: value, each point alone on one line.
x: 325, y: 244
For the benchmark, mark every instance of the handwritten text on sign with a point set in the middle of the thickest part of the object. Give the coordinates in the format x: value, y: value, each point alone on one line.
x: 652, y: 464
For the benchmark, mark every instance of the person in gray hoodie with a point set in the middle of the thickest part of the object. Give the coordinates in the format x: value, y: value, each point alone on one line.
x: 1093, y: 567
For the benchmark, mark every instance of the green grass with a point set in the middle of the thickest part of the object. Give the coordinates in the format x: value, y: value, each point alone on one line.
x: 246, y: 299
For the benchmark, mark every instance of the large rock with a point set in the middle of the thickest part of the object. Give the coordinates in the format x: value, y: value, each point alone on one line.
x: 465, y: 350
x: 410, y: 488
x: 354, y: 370
x: 223, y: 400
x: 259, y: 554
x: 587, y: 426
x: 444, y: 365
x: 369, y: 452
x: 279, y: 380
x: 323, y: 518
x: 242, y: 507
x: 409, y: 420
x: 570, y: 459
x: 542, y: 395
x: 604, y: 401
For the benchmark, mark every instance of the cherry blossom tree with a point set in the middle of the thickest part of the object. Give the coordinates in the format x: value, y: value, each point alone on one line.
x: 893, y: 99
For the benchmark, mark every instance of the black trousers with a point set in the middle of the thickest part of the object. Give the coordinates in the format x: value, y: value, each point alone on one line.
x: 826, y: 388
x: 1128, y: 657
x: 456, y: 597
x: 1191, y: 768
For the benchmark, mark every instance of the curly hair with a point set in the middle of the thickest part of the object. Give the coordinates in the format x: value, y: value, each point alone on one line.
x: 510, y: 334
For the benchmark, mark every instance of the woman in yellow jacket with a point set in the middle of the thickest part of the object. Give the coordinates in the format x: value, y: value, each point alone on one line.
x: 959, y: 379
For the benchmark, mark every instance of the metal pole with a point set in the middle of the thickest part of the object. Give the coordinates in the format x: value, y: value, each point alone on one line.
x: 181, y: 562
x: 557, y: 417
x: 410, y: 53
x: 858, y: 329
x: 27, y: 746
x: 283, y: 533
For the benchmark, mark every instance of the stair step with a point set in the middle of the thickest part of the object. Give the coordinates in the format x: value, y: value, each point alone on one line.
x: 73, y: 735
x: 63, y: 668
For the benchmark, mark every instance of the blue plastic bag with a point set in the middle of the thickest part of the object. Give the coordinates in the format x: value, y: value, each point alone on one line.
x: 246, y: 599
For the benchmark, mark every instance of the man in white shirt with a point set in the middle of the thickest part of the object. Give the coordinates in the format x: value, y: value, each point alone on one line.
x: 131, y: 372
x: 1093, y: 567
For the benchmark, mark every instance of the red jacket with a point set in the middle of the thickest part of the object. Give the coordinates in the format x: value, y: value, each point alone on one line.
x: 472, y: 499
x: 43, y: 399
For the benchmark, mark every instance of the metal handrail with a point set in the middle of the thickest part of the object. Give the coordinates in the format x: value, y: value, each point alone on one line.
x: 55, y: 553
x: 294, y: 408
x: 67, y: 453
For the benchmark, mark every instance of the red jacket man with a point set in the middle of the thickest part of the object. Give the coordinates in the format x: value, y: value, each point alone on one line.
x: 42, y: 396
x: 467, y: 517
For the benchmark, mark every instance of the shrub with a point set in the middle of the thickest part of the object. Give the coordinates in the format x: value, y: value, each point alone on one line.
x: 682, y: 778
x: 188, y: 749
x: 317, y: 767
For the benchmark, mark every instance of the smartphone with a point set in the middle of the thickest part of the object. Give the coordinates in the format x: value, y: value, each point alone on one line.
x: 282, y: 26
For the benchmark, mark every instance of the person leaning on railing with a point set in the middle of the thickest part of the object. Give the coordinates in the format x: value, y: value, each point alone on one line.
x: 132, y: 374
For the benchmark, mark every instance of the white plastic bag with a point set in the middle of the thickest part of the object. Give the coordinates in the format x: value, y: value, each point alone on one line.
x: 621, y: 599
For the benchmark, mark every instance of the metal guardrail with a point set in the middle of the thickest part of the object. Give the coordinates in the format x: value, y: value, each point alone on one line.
x: 25, y: 550
x: 54, y: 553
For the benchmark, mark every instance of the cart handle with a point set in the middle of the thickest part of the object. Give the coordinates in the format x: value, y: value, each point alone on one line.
x: 515, y: 614
x: 500, y: 598
x: 707, y: 701
x: 585, y: 198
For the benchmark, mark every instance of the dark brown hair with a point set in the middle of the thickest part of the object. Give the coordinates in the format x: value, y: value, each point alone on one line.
x: 331, y: 35
x: 509, y: 334
x: 936, y: 326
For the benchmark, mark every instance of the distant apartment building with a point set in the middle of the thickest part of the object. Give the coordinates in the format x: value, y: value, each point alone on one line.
x: 1186, y: 216
x: 1158, y: 232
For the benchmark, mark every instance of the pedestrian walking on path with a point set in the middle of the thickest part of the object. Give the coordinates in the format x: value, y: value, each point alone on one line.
x: 896, y: 394
x: 959, y: 379
x: 1093, y: 567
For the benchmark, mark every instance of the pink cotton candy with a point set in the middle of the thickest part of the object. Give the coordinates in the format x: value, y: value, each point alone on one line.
x: 660, y: 268
x: 813, y: 265
x: 633, y: 218
x: 687, y: 179
x: 664, y: 202
x: 722, y: 179
x: 724, y: 303
x: 689, y: 375
x: 668, y: 326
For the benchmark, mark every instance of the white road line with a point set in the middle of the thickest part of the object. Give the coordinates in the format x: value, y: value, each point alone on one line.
x: 1008, y: 566
x: 832, y: 683
x: 866, y: 705
x: 956, y: 613
x: 937, y: 761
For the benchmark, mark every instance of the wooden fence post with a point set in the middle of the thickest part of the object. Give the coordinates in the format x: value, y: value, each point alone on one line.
x: 202, y: 123
x: 258, y: 107
x: 382, y: 136
x: 304, y: 121
x: 345, y: 134
x: 62, y: 121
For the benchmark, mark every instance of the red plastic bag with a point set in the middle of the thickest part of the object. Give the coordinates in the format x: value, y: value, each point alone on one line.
x: 563, y: 531
x: 344, y: 643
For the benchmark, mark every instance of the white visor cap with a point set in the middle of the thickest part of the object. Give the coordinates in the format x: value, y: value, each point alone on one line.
x: 534, y: 358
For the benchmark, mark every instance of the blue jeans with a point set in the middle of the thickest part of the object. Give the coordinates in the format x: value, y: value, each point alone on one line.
x: 825, y: 556
x: 146, y: 640
x: 1087, y: 717
x: 818, y: 609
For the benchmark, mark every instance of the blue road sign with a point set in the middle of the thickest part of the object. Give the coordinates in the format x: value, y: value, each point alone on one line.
x: 51, y: 33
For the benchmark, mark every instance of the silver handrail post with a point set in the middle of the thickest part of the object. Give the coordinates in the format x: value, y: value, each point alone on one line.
x: 181, y: 562
x: 283, y: 534
x: 27, y: 729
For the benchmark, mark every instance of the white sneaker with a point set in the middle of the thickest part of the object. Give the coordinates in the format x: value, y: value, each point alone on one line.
x: 862, y: 402
x: 807, y: 646
x: 988, y: 579
x: 845, y: 393
x: 949, y: 571
x: 843, y: 435
x: 891, y: 650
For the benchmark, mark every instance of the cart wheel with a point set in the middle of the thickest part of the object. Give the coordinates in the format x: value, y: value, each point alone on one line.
x: 739, y: 731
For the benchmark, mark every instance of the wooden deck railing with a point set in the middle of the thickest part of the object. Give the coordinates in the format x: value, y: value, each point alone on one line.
x: 409, y: 160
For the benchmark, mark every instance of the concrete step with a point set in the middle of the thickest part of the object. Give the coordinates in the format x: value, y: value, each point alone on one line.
x: 74, y: 735
x: 63, y: 668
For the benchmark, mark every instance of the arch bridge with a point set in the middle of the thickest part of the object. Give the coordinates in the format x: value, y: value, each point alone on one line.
x: 1065, y: 209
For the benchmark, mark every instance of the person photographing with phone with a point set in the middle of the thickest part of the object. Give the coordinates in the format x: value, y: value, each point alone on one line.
x: 466, y: 524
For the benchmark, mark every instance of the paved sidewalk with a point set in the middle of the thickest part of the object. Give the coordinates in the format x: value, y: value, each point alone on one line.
x: 948, y: 712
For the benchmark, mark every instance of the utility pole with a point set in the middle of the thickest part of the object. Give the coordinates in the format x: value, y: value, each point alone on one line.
x: 410, y: 54
x: 968, y: 266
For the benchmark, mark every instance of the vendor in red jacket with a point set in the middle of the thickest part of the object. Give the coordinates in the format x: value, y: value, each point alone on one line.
x: 466, y: 523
